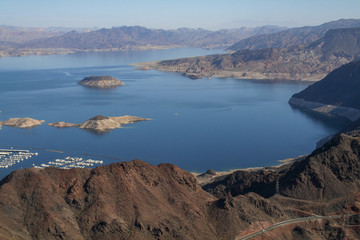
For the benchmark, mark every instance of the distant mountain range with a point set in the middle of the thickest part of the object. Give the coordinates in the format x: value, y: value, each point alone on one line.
x: 17, y: 41
x: 12, y: 34
x: 292, y: 36
x: 20, y: 41
x: 136, y: 36
x: 310, y: 62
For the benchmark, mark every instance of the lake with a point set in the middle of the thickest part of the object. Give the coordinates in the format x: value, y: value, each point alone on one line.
x: 200, y: 124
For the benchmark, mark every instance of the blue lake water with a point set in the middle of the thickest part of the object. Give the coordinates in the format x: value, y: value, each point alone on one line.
x: 197, y: 124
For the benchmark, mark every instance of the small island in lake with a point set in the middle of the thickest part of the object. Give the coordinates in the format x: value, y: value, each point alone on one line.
x: 23, y: 122
x: 101, y: 82
x: 101, y: 123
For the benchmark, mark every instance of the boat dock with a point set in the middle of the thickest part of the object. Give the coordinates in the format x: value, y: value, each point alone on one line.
x: 9, y: 157
x: 71, y: 162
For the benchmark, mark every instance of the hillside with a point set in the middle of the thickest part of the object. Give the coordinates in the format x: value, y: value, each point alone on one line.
x: 136, y: 200
x: 311, y: 62
x: 129, y: 200
x: 337, y: 93
x: 330, y: 172
x: 292, y: 36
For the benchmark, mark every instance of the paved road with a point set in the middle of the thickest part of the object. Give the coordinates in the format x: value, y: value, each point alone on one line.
x: 295, y: 220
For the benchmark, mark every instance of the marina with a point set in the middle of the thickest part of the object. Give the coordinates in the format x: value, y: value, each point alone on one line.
x: 71, y: 162
x: 9, y: 157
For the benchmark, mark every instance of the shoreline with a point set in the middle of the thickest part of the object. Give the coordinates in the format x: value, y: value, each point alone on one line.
x: 347, y: 112
x: 204, y: 178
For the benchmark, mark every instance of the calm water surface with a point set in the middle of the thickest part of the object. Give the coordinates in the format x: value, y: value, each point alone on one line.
x: 197, y: 124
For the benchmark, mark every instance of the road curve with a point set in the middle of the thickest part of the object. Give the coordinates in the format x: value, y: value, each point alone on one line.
x: 295, y: 220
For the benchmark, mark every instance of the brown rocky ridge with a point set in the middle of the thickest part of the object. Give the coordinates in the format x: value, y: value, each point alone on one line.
x: 101, y: 123
x: 101, y: 82
x: 128, y: 200
x: 311, y: 62
x: 22, y: 122
x: 136, y: 200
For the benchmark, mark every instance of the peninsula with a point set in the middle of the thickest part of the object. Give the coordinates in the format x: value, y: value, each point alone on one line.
x: 101, y: 123
x: 337, y: 94
x: 101, y: 82
x: 310, y: 62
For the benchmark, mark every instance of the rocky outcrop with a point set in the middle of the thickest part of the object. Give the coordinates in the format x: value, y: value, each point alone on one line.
x: 306, y: 63
x: 101, y: 82
x: 23, y: 122
x: 101, y: 123
x: 336, y: 94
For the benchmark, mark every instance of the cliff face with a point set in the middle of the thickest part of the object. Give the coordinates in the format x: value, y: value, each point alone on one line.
x: 337, y: 93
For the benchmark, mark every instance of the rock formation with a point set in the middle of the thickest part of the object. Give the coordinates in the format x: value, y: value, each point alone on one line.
x: 23, y: 122
x: 101, y: 82
x: 101, y: 123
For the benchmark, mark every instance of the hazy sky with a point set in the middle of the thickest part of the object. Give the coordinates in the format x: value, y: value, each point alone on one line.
x: 170, y: 14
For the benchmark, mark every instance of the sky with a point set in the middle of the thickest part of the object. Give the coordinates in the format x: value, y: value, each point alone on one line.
x: 172, y: 14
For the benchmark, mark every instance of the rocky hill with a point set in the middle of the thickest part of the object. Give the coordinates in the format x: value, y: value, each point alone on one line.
x: 101, y: 82
x: 311, y: 62
x: 292, y: 36
x: 100, y: 123
x: 330, y: 172
x: 337, y: 93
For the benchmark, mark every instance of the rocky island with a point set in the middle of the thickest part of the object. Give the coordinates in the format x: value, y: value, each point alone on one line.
x: 101, y: 82
x: 22, y: 122
x: 101, y: 123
